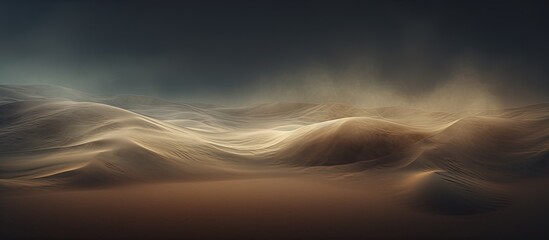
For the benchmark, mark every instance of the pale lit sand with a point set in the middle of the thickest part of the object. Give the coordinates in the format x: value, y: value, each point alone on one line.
x: 80, y: 166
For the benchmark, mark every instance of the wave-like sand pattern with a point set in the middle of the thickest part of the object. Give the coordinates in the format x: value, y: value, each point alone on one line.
x: 447, y: 162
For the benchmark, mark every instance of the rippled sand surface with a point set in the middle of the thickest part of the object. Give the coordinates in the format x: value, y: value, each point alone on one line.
x: 282, y: 169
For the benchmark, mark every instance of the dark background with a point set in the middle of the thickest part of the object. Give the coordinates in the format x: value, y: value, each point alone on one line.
x: 226, y: 49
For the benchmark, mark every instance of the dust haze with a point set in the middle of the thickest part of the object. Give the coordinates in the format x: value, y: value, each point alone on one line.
x: 368, y: 54
x: 273, y: 120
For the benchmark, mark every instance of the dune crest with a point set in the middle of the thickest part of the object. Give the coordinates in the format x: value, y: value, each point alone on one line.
x: 446, y: 160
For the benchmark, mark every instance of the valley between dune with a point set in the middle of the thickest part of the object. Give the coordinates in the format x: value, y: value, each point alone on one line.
x: 75, y: 165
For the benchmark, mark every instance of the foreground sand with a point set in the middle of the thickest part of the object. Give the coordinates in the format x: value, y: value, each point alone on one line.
x: 283, y: 208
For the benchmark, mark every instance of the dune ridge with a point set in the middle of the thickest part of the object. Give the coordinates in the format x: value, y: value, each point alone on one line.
x: 56, y: 137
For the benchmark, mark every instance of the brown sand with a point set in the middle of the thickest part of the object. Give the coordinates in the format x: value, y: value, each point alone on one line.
x: 275, y: 208
x: 77, y: 166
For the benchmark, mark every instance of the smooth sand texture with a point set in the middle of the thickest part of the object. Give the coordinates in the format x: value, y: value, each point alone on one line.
x: 268, y: 208
x: 318, y: 170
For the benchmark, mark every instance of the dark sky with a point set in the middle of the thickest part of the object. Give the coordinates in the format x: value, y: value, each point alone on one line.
x: 230, y: 48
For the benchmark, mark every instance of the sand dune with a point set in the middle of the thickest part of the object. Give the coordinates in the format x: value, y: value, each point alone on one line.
x: 77, y: 142
x: 446, y: 163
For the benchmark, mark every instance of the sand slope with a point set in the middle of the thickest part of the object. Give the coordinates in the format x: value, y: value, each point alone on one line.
x: 452, y: 163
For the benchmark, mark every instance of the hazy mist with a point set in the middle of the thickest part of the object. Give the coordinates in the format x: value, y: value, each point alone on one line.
x: 446, y: 55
